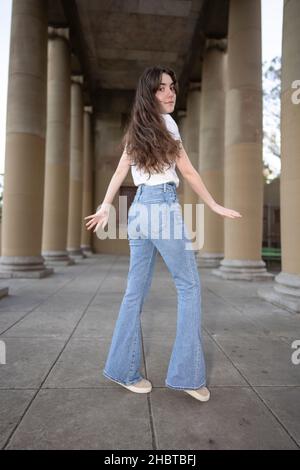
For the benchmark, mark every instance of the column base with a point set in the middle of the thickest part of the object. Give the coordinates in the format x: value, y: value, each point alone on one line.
x: 209, y: 260
x: 284, y: 293
x: 87, y: 250
x: 57, y: 258
x: 244, y: 270
x: 23, y: 267
x: 3, y: 292
x: 76, y: 254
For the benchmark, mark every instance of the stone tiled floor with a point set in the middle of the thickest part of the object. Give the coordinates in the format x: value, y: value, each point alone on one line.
x: 57, y: 332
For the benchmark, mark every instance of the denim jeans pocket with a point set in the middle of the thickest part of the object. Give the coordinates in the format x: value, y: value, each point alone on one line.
x: 137, y: 222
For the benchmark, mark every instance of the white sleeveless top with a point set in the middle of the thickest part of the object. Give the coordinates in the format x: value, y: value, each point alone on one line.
x: 139, y: 176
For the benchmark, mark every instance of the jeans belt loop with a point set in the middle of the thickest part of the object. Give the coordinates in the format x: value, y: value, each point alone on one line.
x: 165, y: 187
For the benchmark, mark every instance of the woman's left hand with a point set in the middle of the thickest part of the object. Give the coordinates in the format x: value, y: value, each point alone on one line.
x: 230, y: 213
x: 100, y: 218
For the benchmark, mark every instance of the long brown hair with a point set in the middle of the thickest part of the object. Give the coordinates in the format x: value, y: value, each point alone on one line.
x: 149, y: 144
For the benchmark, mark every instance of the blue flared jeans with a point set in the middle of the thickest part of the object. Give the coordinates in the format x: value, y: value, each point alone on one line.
x: 155, y: 224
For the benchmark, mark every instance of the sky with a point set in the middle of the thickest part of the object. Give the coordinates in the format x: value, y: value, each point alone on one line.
x: 271, y: 47
x: 272, y: 11
x: 5, y: 20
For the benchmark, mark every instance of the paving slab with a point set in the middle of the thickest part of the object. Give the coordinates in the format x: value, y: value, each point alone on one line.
x: 234, y: 418
x: 85, y: 419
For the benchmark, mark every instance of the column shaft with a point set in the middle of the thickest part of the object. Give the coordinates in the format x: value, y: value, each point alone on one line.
x: 87, y: 202
x: 108, y: 134
x: 76, y: 171
x: 55, y: 223
x: 182, y: 122
x: 243, y: 184
x: 192, y: 147
x: 25, y: 143
x: 211, y: 153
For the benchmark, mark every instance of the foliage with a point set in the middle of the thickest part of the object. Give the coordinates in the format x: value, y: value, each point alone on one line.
x: 271, y: 115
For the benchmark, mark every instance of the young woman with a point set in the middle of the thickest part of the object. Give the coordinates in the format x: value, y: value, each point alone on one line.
x: 153, y: 147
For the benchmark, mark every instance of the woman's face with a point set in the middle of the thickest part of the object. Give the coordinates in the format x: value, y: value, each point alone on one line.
x: 166, y: 94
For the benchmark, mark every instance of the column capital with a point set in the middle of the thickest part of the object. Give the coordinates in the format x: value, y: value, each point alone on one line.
x: 194, y: 86
x: 63, y: 33
x: 88, y: 109
x: 77, y: 79
x: 213, y: 43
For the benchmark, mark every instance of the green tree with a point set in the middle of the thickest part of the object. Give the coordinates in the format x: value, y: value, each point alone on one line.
x: 271, y: 112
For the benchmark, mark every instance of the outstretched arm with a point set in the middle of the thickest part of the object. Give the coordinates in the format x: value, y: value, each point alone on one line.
x: 117, y: 179
x: 193, y: 178
x: 101, y: 216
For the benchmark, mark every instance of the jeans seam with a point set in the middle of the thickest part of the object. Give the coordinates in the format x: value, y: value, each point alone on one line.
x: 139, y: 316
x: 198, y: 330
x: 198, y: 316
x: 148, y: 278
x: 194, y: 298
x: 136, y: 336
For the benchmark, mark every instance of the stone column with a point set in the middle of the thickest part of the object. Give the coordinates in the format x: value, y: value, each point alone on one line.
x: 55, y: 223
x: 192, y: 144
x: 25, y: 143
x: 76, y: 170
x: 87, y: 202
x: 243, y: 183
x: 286, y: 289
x: 109, y: 129
x: 182, y: 126
x: 211, y: 161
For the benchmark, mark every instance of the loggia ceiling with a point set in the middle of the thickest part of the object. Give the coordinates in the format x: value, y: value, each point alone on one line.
x: 114, y: 40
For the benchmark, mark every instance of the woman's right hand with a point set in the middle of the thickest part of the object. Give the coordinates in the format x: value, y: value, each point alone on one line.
x: 100, y: 218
